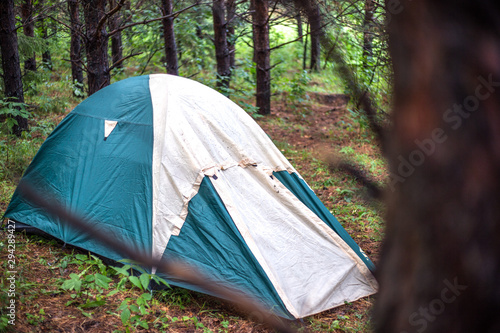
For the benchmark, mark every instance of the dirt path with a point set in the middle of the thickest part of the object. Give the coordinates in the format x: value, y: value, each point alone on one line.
x: 312, y: 126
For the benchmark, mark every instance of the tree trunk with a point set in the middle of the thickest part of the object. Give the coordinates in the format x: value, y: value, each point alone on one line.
x: 116, y: 39
x: 304, y: 50
x: 169, y: 37
x: 262, y: 55
x: 96, y: 45
x: 300, y: 32
x: 13, y: 87
x: 251, y: 9
x: 221, y: 46
x: 29, y: 30
x: 76, y: 44
x: 46, y: 56
x: 315, y: 25
x: 231, y: 37
x: 367, y: 32
x: 440, y: 264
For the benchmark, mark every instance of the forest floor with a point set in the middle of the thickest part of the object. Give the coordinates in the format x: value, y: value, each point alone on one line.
x: 309, y: 135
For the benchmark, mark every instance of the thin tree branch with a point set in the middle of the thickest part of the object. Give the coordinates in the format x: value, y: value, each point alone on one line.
x: 374, y: 190
x: 106, y: 16
x: 79, y: 61
x: 286, y: 43
x: 116, y: 64
x: 67, y: 26
x: 334, y: 46
x: 298, y: 38
x: 149, y: 59
x: 271, y: 13
x: 153, y: 20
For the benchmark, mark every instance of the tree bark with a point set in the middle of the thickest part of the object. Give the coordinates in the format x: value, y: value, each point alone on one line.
x: 169, y: 38
x: 221, y: 45
x: 262, y: 55
x: 367, y: 32
x: 315, y: 25
x: 440, y: 264
x: 304, y: 49
x: 76, y: 43
x: 231, y: 36
x: 96, y: 45
x: 251, y: 9
x: 29, y: 30
x: 46, y: 56
x: 300, y: 31
x: 116, y: 39
x: 13, y: 87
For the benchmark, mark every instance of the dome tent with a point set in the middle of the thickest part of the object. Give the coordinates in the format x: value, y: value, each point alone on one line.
x: 172, y: 168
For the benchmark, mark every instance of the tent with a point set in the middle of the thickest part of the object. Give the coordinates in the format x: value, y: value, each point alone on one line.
x: 170, y: 167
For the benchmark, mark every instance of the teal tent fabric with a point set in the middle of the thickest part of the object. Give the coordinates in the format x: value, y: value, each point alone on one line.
x: 107, y: 181
x: 304, y: 193
x: 210, y: 242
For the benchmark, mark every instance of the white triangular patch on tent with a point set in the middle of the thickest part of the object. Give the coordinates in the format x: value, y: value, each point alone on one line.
x: 109, y: 126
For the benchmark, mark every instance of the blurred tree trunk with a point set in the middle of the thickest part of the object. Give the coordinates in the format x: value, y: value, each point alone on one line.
x: 169, y: 37
x: 367, y: 32
x: 116, y: 39
x: 251, y: 9
x: 315, y: 25
x: 96, y: 45
x: 29, y: 30
x: 76, y: 43
x: 300, y: 32
x: 221, y: 45
x: 262, y: 55
x: 304, y: 49
x: 46, y: 56
x: 440, y: 264
x: 231, y: 37
x: 13, y: 87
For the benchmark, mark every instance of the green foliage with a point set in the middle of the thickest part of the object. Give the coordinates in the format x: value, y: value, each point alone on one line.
x: 4, y: 324
x: 30, y: 45
x: 15, y: 156
x: 4, y: 300
x: 78, y: 89
x: 36, y: 319
x: 351, y: 321
x: 43, y: 127
x: 371, y: 73
x: 165, y: 323
x: 295, y: 90
x: 87, y: 289
x: 194, y: 33
x: 10, y: 110
x: 133, y: 309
